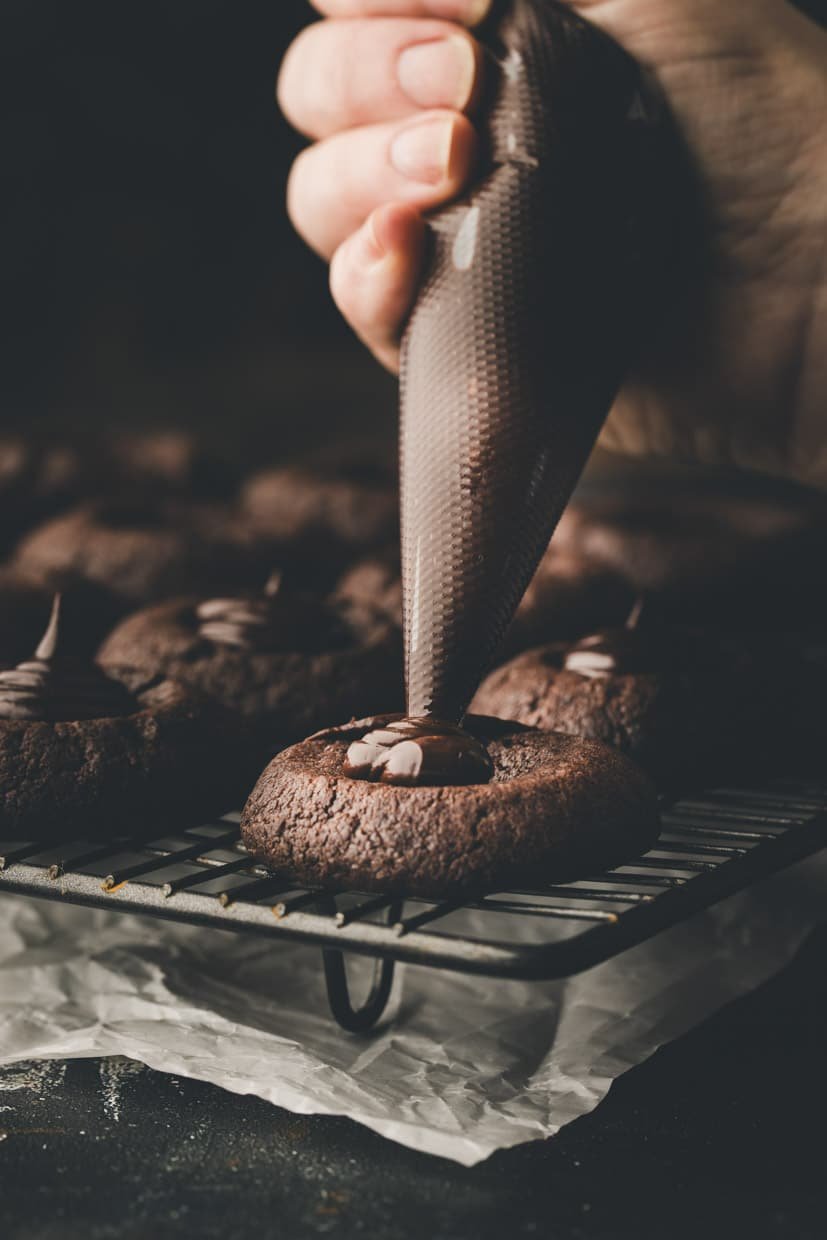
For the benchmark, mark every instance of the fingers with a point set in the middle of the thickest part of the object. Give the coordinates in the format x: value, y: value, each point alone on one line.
x: 337, y: 183
x: 374, y: 276
x: 469, y: 12
x: 392, y: 142
x: 323, y: 87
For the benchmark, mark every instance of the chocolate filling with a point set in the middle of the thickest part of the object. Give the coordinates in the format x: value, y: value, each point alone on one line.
x: 54, y: 687
x: 619, y: 652
x: 276, y: 620
x: 419, y: 753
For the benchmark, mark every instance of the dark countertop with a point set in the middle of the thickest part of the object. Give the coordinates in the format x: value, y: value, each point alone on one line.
x: 719, y: 1134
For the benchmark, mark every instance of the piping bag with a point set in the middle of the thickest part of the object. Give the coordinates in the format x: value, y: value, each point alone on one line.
x: 518, y: 339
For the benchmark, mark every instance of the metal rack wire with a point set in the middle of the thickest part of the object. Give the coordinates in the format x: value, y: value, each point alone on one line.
x: 711, y: 846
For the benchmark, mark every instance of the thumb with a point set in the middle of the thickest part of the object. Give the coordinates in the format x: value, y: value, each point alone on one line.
x: 663, y: 32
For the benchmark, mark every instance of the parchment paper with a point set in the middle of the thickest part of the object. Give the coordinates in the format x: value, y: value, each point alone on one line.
x: 465, y: 1067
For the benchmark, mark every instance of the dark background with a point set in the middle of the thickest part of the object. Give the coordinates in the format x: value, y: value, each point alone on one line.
x: 149, y: 273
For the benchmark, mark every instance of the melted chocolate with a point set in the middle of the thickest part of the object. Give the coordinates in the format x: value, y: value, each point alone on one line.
x: 626, y: 651
x: 54, y: 687
x: 419, y: 753
x: 277, y: 619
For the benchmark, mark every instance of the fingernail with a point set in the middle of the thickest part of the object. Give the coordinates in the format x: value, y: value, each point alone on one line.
x: 438, y: 74
x: 422, y: 152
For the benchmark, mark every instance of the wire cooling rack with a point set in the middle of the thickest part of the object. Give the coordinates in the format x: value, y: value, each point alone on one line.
x: 711, y: 846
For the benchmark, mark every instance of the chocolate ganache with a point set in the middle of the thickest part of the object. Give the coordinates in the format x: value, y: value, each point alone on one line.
x: 624, y: 651
x: 55, y: 687
x: 419, y: 753
x: 276, y: 619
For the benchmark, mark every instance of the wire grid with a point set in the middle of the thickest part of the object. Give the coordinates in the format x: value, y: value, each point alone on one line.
x: 710, y: 847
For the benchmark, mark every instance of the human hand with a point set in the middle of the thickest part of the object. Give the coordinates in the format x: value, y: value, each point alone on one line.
x: 735, y: 369
x: 384, y: 88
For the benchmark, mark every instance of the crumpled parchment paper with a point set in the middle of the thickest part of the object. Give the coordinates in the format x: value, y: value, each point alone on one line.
x: 465, y: 1065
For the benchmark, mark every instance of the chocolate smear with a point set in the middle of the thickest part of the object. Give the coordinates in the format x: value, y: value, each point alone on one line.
x: 419, y: 753
x: 55, y: 687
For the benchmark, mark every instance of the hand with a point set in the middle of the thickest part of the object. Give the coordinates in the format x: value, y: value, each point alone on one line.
x: 737, y: 370
x: 385, y: 98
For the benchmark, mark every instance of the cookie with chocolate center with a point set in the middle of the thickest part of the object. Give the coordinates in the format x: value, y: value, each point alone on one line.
x: 688, y: 705
x: 282, y: 660
x: 85, y: 751
x: 542, y: 808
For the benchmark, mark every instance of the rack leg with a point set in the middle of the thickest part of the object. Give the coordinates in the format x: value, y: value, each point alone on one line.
x: 363, y: 1019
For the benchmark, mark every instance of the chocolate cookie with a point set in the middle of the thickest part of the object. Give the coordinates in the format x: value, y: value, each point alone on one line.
x: 138, y: 552
x: 555, y: 807
x: 283, y: 661
x: 709, y: 557
x: 299, y: 508
x: 684, y: 704
x: 83, y: 751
